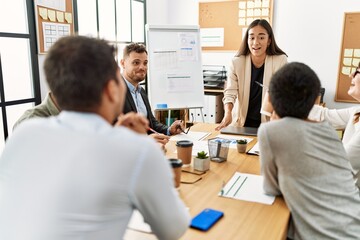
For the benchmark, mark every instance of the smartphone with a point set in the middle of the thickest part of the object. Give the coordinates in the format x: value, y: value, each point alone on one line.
x: 206, y: 219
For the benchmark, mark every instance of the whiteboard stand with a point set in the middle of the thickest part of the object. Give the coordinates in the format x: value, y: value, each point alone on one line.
x: 202, y: 114
x: 169, y: 117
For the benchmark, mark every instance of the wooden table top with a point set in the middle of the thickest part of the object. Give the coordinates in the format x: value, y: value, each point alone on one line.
x: 242, y: 220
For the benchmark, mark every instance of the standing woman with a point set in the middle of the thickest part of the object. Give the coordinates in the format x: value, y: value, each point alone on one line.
x: 257, y: 60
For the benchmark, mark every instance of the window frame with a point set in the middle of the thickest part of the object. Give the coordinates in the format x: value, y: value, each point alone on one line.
x: 31, y: 36
x: 116, y: 42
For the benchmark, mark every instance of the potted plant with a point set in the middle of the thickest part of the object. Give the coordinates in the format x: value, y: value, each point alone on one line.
x: 241, y: 145
x: 202, y: 161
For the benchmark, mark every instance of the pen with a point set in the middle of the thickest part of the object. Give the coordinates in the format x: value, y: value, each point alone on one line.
x: 152, y: 130
x: 261, y: 85
x: 179, y: 127
x: 222, y: 188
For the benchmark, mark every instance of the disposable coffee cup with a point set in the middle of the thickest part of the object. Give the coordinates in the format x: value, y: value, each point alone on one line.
x: 184, y: 150
x: 176, y: 165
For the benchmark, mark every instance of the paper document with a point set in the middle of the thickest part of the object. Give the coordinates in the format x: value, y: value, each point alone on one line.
x: 199, y: 146
x: 179, y: 83
x: 191, y: 136
x: 233, y: 139
x: 255, y: 150
x: 55, y: 4
x: 137, y: 223
x: 247, y: 187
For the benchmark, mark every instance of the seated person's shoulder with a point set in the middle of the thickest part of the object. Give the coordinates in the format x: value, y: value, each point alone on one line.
x: 280, y: 126
x: 32, y: 113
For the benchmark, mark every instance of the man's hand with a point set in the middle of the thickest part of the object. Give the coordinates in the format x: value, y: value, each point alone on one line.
x: 160, y: 138
x: 177, y: 127
x: 133, y: 121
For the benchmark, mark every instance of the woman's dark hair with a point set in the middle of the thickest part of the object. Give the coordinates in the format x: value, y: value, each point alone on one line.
x: 293, y: 90
x: 272, y: 49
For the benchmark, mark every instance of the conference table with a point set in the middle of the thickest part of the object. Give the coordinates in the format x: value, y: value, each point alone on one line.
x: 242, y: 219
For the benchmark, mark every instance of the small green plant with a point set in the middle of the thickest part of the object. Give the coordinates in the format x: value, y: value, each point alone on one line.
x: 202, y: 155
x: 241, y: 141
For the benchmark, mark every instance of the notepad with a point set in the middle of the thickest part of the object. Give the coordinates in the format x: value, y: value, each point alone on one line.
x: 255, y: 150
x: 246, y: 187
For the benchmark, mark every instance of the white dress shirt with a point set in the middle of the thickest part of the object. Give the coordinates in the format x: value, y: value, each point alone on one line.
x: 136, y: 95
x: 75, y: 176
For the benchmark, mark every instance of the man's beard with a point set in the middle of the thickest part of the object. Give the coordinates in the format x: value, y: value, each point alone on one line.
x: 139, y: 79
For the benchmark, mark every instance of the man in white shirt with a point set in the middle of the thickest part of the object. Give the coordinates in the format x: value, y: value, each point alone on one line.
x: 75, y: 176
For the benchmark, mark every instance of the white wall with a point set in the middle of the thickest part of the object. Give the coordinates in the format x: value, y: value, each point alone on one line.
x: 157, y: 12
x: 311, y: 33
x: 308, y: 31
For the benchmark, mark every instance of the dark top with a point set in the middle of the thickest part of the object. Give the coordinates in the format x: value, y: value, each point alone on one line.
x: 253, y: 117
x: 130, y: 106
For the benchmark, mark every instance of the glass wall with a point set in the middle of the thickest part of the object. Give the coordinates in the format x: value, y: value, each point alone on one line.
x: 19, y: 74
x: 118, y: 21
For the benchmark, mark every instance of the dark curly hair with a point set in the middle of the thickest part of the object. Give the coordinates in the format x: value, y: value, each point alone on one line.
x: 134, y: 47
x: 293, y: 90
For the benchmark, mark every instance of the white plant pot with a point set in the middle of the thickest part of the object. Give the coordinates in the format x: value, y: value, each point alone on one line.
x: 201, y: 164
x: 241, y: 148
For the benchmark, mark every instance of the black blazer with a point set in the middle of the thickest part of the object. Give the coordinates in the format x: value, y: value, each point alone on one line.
x: 130, y: 106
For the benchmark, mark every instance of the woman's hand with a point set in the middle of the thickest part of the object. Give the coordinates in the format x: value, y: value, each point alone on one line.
x: 225, y: 122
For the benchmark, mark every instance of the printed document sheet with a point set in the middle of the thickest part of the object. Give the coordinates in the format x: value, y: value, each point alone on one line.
x: 198, y: 147
x: 137, y: 223
x: 191, y: 136
x: 247, y: 187
x: 255, y: 150
x: 233, y: 139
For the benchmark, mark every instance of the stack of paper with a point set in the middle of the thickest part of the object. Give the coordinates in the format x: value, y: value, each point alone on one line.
x: 255, y: 150
x: 247, y: 187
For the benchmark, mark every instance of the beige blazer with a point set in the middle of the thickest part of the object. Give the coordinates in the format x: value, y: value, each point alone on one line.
x: 238, y: 84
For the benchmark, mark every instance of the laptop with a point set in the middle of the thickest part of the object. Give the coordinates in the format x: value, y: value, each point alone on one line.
x: 249, y: 131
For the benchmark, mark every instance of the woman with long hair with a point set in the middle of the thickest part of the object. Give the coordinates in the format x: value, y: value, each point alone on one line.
x: 257, y: 60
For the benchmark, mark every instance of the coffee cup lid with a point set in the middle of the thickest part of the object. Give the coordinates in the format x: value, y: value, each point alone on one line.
x: 184, y: 143
x: 175, y: 162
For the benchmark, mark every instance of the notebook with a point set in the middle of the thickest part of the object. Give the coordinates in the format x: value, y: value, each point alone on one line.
x: 249, y: 131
